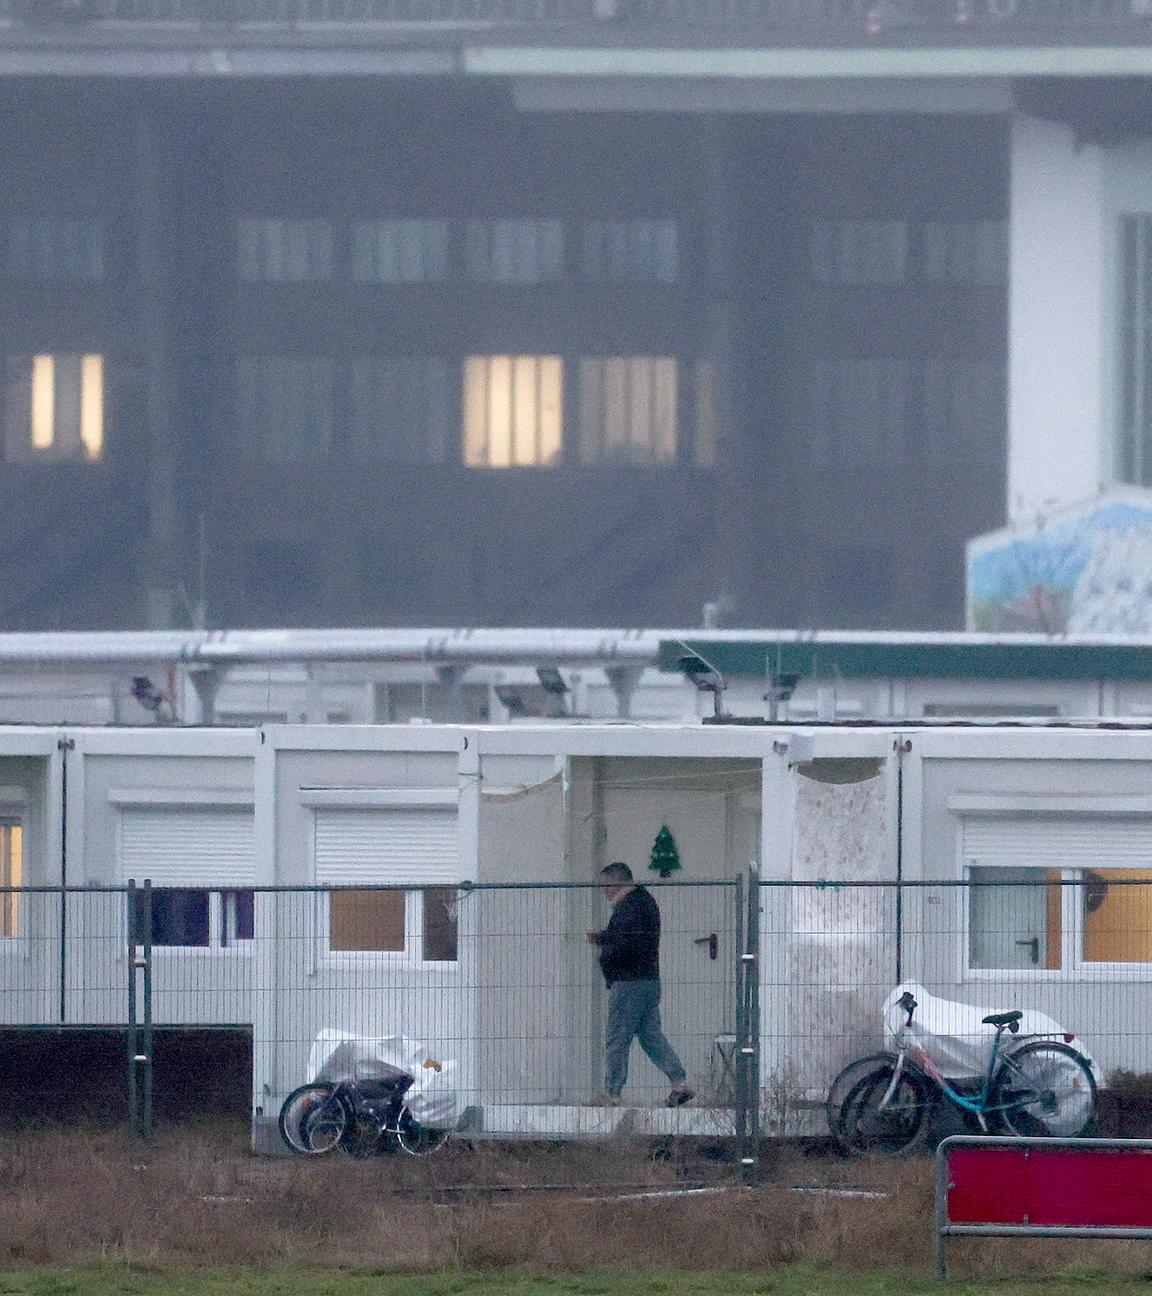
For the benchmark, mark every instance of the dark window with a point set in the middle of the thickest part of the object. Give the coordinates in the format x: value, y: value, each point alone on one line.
x: 966, y: 252
x: 629, y: 251
x: 399, y: 251
x: 440, y: 925
x: 859, y: 252
x: 628, y: 409
x: 857, y: 409
x: 285, y: 251
x: 284, y: 407
x: 238, y: 917
x: 179, y: 916
x: 402, y: 408
x: 964, y: 404
x: 47, y: 248
x: 516, y: 251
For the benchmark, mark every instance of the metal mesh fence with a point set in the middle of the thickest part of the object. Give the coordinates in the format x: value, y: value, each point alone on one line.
x: 766, y: 992
x: 852, y: 18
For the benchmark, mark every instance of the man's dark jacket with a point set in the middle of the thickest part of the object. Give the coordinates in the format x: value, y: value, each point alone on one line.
x: 630, y: 944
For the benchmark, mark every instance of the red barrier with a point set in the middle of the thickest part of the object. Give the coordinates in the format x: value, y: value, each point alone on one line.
x: 1042, y: 1188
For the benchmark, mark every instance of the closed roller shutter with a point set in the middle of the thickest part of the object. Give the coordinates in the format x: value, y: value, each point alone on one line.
x: 1052, y: 841
x: 188, y: 847
x: 415, y: 845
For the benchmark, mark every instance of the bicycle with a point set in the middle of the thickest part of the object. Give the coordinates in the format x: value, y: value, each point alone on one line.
x: 362, y: 1118
x: 1037, y: 1087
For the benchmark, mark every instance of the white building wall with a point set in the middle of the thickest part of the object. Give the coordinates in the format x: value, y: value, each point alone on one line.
x: 1059, y: 320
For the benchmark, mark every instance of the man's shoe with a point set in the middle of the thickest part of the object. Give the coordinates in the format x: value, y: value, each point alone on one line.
x: 680, y: 1095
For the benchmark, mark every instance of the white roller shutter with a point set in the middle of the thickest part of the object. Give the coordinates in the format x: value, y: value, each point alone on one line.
x: 188, y: 847
x: 397, y: 844
x: 1066, y: 841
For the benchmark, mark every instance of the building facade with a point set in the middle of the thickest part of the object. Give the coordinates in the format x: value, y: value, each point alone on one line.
x: 561, y: 313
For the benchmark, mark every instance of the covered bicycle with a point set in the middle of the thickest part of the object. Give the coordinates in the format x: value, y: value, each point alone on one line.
x: 368, y: 1096
x: 1015, y: 1072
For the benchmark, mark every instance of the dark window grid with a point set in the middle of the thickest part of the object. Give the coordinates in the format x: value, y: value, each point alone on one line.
x: 595, y: 387
x: 931, y: 407
x: 57, y: 249
x: 909, y: 255
x: 673, y: 238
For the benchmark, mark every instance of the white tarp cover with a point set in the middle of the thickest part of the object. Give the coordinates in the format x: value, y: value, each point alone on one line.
x: 954, y: 1034
x: 432, y: 1099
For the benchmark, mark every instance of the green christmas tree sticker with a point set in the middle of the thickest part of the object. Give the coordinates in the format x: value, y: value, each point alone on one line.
x: 665, y: 856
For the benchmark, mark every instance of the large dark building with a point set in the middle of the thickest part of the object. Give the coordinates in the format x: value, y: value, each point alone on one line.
x: 375, y: 312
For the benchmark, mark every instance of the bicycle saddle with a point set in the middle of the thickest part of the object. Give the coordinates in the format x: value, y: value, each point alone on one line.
x: 1003, y: 1019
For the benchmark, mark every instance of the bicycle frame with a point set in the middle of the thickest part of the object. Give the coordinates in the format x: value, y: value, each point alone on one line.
x: 979, y: 1106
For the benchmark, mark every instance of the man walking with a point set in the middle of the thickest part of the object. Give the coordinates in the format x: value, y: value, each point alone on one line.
x: 630, y: 961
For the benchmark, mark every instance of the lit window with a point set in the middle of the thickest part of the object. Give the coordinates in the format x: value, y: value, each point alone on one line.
x: 11, y: 875
x: 400, y: 408
x: 52, y: 248
x: 55, y: 407
x: 285, y: 251
x: 629, y: 251
x: 418, y: 923
x: 513, y: 411
x: 520, y: 251
x: 284, y: 407
x: 1117, y: 918
x: 399, y: 251
x: 628, y: 409
x: 1015, y: 918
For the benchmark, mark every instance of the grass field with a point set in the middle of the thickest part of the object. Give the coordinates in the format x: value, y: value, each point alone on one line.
x: 87, y: 1211
x: 788, y: 1281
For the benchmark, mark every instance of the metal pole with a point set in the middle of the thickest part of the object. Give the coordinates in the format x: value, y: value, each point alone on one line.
x: 741, y: 1060
x: 751, y: 961
x: 940, y: 1215
x: 146, y: 1044
x: 131, y: 1032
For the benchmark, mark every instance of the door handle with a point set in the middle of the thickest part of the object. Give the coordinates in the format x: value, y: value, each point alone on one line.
x: 713, y: 943
x: 1033, y: 947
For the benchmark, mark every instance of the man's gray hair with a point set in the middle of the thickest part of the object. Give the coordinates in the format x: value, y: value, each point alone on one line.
x: 619, y: 873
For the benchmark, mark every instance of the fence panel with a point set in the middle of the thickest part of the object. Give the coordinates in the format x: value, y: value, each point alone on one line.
x: 1072, y: 945
x: 502, y: 980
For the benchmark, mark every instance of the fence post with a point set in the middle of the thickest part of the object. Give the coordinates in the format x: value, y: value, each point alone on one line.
x: 145, y: 1057
x: 750, y: 961
x: 740, y: 1097
x: 140, y: 1033
x: 132, y: 1031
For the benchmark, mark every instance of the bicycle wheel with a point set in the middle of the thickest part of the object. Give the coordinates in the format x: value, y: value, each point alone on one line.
x: 1044, y: 1090
x: 874, y: 1116
x: 312, y: 1119
x: 417, y: 1139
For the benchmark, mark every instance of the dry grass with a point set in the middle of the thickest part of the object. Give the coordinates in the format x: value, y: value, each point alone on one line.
x: 195, y: 1197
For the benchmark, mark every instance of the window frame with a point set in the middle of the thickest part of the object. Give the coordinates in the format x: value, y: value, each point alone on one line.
x: 218, y: 921
x: 411, y: 956
x: 17, y: 943
x: 1074, y: 966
